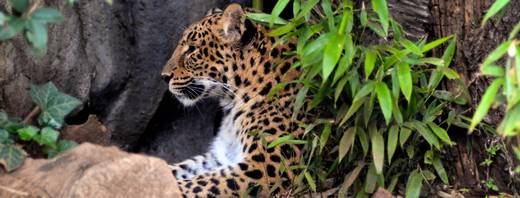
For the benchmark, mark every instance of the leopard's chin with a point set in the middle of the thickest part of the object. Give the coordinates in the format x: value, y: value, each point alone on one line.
x: 189, y: 95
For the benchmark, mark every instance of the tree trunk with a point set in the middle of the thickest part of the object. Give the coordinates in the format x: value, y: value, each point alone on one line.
x: 463, y: 19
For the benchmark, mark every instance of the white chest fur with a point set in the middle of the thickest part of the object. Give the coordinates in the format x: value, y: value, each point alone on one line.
x: 226, y: 147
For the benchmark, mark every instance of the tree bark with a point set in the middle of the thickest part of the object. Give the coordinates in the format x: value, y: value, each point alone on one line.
x: 463, y: 19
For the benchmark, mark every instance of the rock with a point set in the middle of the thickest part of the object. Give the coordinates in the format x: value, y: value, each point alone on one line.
x: 91, y: 131
x: 91, y: 171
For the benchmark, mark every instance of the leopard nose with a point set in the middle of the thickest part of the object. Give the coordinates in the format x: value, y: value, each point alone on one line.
x: 166, y: 77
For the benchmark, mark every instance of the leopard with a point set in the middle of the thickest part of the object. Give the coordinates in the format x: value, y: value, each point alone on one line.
x: 233, y: 59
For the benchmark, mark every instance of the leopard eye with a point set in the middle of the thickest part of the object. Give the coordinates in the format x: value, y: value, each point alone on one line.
x: 191, y: 48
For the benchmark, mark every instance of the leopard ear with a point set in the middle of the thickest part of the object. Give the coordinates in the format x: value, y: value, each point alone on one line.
x: 213, y: 11
x: 232, y: 23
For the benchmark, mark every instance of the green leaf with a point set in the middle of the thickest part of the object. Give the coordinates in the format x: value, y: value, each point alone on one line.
x: 515, y: 31
x: 496, y: 54
x: 4, y: 137
x: 277, y: 10
x: 510, y: 125
x: 54, y: 104
x: 440, y: 132
x: 405, y: 80
x: 363, y: 16
x: 11, y: 157
x: 411, y: 46
x: 325, y: 136
x: 414, y: 184
x: 298, y: 102
x: 265, y: 18
x: 310, y: 181
x: 62, y: 146
x: 365, y: 90
x: 47, y: 137
x: 424, y: 132
x: 435, y: 43
x: 497, y: 6
x: 19, y: 5
x: 47, y: 15
x: 27, y: 133
x: 282, y: 29
x: 449, y: 52
x: 393, y: 135
x: 371, y: 179
x: 351, y: 110
x: 37, y: 34
x: 370, y: 62
x: 347, y: 140
x: 15, y: 25
x: 381, y: 8
x: 450, y: 73
x: 349, y: 180
x: 385, y: 100
x: 331, y: 54
x: 378, y: 149
x: 439, y: 168
x: 363, y: 140
x: 2, y: 18
x: 493, y: 70
x: 485, y: 103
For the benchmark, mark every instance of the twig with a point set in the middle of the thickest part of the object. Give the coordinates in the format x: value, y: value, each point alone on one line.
x: 25, y: 194
x: 31, y: 9
x: 28, y: 119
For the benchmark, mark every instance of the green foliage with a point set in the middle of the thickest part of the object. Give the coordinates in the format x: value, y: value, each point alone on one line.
x: 374, y: 97
x: 505, y: 88
x: 54, y: 107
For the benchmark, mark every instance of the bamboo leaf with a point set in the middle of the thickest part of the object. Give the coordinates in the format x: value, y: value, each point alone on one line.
x: 414, y: 184
x: 439, y: 168
x: 405, y: 80
x: 385, y: 100
x: 381, y: 8
x: 393, y: 135
x: 424, y: 132
x: 404, y: 134
x: 347, y: 140
x: 378, y: 149
x: 349, y: 179
x: 370, y: 62
x: 331, y: 55
x: 485, y: 103
x: 277, y: 10
x: 494, y: 9
x: 435, y: 43
x: 496, y: 54
x: 440, y: 132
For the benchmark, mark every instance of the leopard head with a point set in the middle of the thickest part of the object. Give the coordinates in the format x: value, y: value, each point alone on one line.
x: 203, y: 55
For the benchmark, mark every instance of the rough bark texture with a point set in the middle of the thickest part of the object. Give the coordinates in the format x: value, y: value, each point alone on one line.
x: 463, y: 18
x: 91, y: 171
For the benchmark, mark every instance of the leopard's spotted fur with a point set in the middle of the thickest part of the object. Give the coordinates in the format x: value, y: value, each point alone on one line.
x: 231, y: 58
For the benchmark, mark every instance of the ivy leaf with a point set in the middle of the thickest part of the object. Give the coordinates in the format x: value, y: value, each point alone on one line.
x: 19, y: 5
x: 45, y: 15
x: 4, y: 137
x: 37, y: 35
x: 47, y: 137
x: 54, y: 104
x: 27, y: 133
x: 62, y: 146
x: 11, y: 156
x: 15, y: 25
x: 2, y: 18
